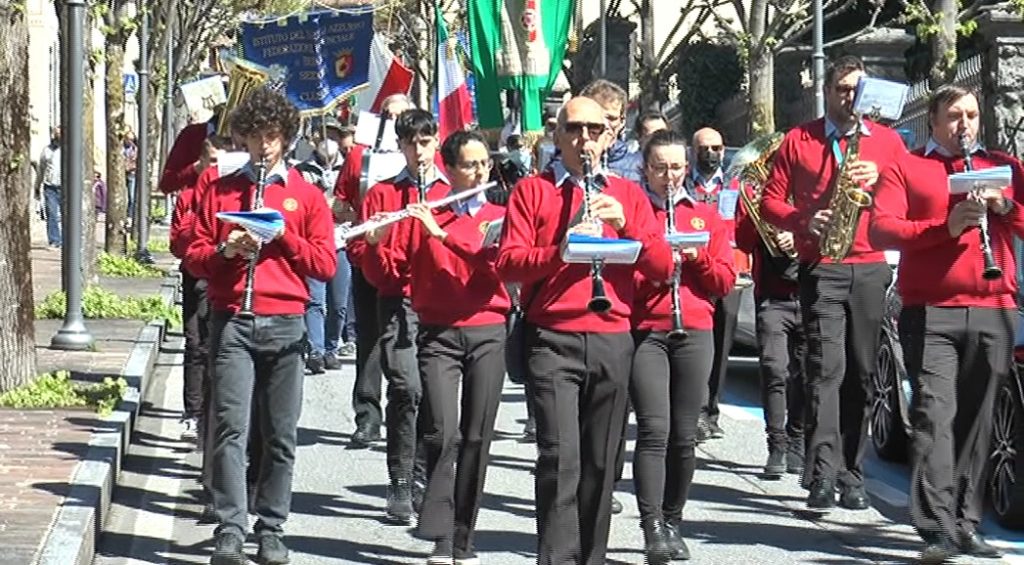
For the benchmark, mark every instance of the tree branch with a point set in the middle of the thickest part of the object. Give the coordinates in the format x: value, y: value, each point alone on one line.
x: 870, y: 27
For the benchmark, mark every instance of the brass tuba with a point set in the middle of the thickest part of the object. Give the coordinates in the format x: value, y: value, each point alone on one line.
x: 243, y: 78
x: 751, y: 165
x: 847, y: 202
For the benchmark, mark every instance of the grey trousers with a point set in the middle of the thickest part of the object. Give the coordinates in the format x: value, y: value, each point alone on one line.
x: 261, y: 356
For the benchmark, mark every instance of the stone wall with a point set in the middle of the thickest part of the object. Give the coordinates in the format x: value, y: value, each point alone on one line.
x: 1003, y: 112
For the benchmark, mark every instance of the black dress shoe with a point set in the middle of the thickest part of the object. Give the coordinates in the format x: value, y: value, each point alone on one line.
x: 822, y: 495
x: 364, y: 436
x: 973, y: 544
x: 937, y: 549
x: 331, y: 361
x: 315, y: 364
x: 680, y: 552
x: 854, y: 498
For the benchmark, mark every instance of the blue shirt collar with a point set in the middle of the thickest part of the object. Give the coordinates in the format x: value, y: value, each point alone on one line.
x: 562, y: 175
x: 933, y: 147
x: 278, y: 173
x: 470, y: 205
x: 831, y: 129
x: 715, y: 180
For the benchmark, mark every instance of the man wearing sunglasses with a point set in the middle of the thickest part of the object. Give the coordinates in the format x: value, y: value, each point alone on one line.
x: 578, y: 360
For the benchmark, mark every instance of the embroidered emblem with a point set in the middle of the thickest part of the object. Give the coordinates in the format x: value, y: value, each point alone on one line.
x: 483, y: 227
x: 290, y: 204
x: 697, y: 223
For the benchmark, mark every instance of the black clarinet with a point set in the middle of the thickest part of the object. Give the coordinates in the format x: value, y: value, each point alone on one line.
x: 992, y: 271
x: 599, y: 301
x: 678, y: 332
x: 420, y: 187
x: 250, y: 275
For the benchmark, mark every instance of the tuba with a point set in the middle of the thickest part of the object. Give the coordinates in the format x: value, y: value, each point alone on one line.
x: 847, y: 202
x: 751, y: 165
x: 243, y: 78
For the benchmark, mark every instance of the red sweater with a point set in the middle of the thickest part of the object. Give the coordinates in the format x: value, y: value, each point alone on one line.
x: 712, y: 274
x: 183, y: 221
x: 384, y: 264
x: 912, y: 203
x: 803, y: 168
x: 305, y: 250
x: 767, y: 281
x: 455, y: 280
x: 536, y: 222
x: 180, y: 170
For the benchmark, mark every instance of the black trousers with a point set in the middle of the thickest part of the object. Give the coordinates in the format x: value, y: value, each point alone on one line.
x: 579, y: 383
x: 957, y: 359
x: 666, y: 387
x: 259, y: 357
x: 398, y: 362
x: 195, y: 309
x: 842, y: 307
x: 780, y: 337
x: 458, y: 431
x: 366, y: 394
x: 727, y: 311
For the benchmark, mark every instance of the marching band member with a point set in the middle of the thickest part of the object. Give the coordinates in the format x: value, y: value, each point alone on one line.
x: 383, y: 267
x: 459, y: 341
x: 667, y: 381
x: 781, y: 345
x: 259, y: 352
x: 841, y: 302
x: 956, y: 328
x: 578, y: 360
x: 348, y: 201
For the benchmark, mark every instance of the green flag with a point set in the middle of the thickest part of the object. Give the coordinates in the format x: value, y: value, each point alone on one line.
x: 517, y: 45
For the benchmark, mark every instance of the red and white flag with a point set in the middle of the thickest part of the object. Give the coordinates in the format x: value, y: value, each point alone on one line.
x: 387, y: 76
x: 454, y: 105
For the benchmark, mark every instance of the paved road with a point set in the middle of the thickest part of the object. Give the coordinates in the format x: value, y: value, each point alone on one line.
x: 734, y: 516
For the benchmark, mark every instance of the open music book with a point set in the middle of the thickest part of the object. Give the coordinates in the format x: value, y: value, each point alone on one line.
x: 692, y: 239
x: 586, y: 249
x: 263, y: 224
x: 883, y: 98
x: 992, y: 178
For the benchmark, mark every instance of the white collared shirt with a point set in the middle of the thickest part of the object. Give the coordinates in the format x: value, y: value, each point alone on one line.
x: 562, y: 175
x: 277, y: 172
x: 832, y: 130
x: 708, y: 184
x: 660, y: 202
x: 470, y: 205
x: 933, y: 146
x: 406, y: 174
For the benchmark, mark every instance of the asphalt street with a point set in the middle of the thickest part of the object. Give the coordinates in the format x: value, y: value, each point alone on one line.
x: 734, y: 515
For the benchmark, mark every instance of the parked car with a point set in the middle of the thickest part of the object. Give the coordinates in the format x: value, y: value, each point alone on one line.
x: 890, y: 423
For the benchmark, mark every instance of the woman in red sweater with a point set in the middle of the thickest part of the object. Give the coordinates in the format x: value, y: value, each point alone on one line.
x: 669, y: 375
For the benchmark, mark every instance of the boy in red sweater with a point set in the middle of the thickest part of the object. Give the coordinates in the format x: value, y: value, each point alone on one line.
x: 260, y: 353
x: 668, y: 379
x: 578, y: 360
x: 956, y: 328
x: 384, y: 264
x: 841, y: 302
x: 459, y: 340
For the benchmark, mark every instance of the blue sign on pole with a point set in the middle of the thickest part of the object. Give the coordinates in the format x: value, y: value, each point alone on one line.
x: 325, y: 56
x: 131, y: 84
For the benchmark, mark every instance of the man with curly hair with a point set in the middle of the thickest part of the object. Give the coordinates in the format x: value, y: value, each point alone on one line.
x: 258, y: 353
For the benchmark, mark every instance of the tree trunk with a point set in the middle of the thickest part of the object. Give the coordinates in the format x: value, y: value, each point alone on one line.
x: 650, y: 88
x: 762, y: 93
x: 943, y: 43
x: 17, y: 340
x: 117, y: 189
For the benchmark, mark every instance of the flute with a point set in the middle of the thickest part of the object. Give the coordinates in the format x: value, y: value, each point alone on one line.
x: 991, y: 270
x: 250, y: 275
x: 392, y: 217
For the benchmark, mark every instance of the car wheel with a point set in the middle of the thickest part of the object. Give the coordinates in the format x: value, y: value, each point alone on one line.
x: 1006, y: 492
x: 888, y: 422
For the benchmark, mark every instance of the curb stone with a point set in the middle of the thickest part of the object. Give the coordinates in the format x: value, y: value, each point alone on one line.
x: 78, y: 522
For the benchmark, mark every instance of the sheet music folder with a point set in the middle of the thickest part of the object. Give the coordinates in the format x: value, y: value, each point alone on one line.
x: 585, y: 249
x: 996, y: 178
x: 882, y: 98
x: 262, y: 224
x: 691, y: 239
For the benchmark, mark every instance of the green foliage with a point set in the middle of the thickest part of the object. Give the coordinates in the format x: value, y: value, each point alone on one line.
x: 98, y: 303
x: 156, y: 245
x: 120, y: 266
x: 708, y: 74
x: 157, y: 209
x: 57, y: 390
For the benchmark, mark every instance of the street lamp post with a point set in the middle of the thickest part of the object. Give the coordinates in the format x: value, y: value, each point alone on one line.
x: 73, y: 335
x: 818, y: 59
x: 604, y: 39
x: 140, y: 224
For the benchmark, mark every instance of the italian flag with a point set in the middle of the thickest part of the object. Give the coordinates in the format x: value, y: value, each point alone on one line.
x: 454, y: 105
x: 387, y: 76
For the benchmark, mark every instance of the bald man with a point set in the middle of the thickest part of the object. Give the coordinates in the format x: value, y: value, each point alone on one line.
x: 578, y: 361
x: 707, y: 183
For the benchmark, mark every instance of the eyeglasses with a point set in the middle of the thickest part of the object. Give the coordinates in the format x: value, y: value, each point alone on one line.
x: 474, y: 165
x: 715, y: 148
x: 662, y: 170
x: 593, y: 129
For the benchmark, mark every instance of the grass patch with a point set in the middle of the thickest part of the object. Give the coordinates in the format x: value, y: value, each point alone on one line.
x: 120, y: 266
x: 57, y: 390
x: 98, y: 303
x: 155, y: 245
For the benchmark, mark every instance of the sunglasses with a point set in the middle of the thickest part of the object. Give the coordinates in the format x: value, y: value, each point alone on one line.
x: 593, y: 129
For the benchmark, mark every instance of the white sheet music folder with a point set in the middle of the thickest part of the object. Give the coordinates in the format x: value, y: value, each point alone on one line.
x: 262, y: 224
x: 586, y: 249
x: 994, y: 177
x: 367, y: 129
x: 693, y: 239
x: 885, y: 97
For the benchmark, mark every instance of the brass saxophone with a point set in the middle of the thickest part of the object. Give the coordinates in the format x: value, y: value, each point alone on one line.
x: 752, y: 165
x: 847, y: 202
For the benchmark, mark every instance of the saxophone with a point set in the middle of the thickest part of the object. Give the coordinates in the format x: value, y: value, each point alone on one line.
x: 847, y: 202
x: 752, y: 165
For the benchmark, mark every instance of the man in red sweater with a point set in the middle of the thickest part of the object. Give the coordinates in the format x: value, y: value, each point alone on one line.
x: 184, y: 161
x: 841, y: 302
x: 461, y: 340
x: 348, y: 200
x: 384, y: 266
x: 780, y: 342
x: 956, y: 328
x: 259, y: 353
x: 579, y: 360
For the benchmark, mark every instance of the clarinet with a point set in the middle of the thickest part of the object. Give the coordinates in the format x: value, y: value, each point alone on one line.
x: 678, y: 333
x: 991, y: 271
x: 420, y: 188
x: 250, y: 275
x: 599, y: 301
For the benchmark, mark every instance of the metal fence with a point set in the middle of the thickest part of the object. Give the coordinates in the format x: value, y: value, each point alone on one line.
x: 913, y: 125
